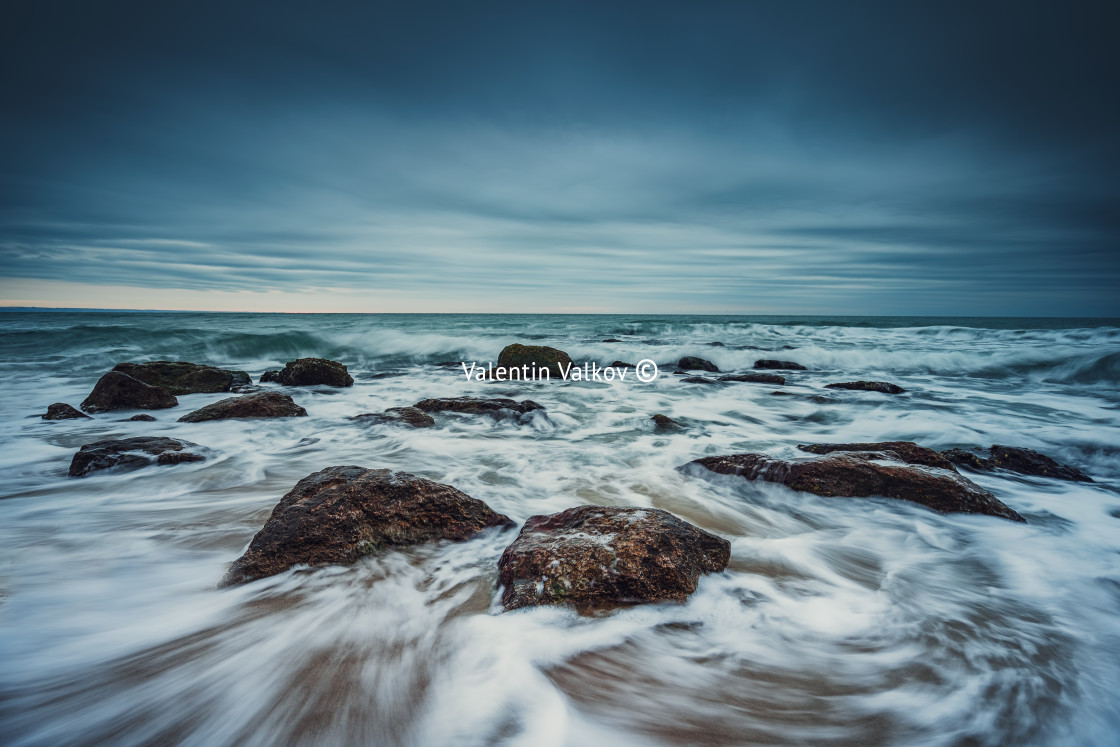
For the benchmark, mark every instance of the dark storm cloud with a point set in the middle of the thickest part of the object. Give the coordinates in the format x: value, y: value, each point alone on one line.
x: 857, y: 157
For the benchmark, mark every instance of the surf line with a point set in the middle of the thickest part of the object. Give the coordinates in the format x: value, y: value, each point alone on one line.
x: 532, y: 372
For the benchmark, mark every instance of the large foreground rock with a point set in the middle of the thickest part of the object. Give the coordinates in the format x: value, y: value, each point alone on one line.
x: 692, y: 363
x: 131, y: 453
x: 598, y: 557
x: 497, y: 407
x: 540, y: 356
x: 411, y: 416
x: 339, y: 514
x: 884, y: 387
x: 864, y: 474
x: 778, y: 365
x: 63, y: 411
x: 310, y: 372
x: 1014, y: 459
x: 904, y: 451
x: 180, y: 377
x: 260, y: 405
x: 119, y: 391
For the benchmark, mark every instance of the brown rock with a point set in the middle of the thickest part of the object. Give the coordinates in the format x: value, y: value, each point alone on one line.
x: 692, y: 363
x: 598, y: 557
x: 1015, y: 459
x: 858, y: 474
x: 180, y: 377
x: 130, y: 454
x: 779, y: 365
x: 339, y: 514
x: 119, y: 391
x: 665, y: 423
x: 260, y: 405
x: 884, y: 387
x: 310, y: 372
x: 904, y: 451
x: 756, y: 378
x: 63, y: 411
x: 698, y: 380
x: 495, y: 406
x: 516, y: 356
x: 412, y: 416
x: 620, y: 364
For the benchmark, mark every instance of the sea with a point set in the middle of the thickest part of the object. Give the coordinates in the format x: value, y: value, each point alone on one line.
x: 838, y: 621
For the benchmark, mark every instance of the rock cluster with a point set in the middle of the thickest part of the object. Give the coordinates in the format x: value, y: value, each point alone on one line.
x: 131, y: 453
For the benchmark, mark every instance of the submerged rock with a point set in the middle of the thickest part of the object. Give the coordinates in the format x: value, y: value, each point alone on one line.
x: 692, y: 363
x: 493, y: 406
x: 260, y: 405
x: 63, y: 411
x: 665, y: 423
x: 620, y: 364
x: 310, y: 372
x: 884, y: 387
x: 1014, y: 459
x: 865, y: 474
x: 340, y: 514
x: 539, y: 356
x: 412, y: 416
x: 779, y: 365
x: 140, y: 419
x: 180, y: 377
x: 904, y: 451
x: 698, y: 380
x: 599, y: 557
x: 131, y: 453
x: 612, y: 339
x: 119, y: 391
x: 756, y: 378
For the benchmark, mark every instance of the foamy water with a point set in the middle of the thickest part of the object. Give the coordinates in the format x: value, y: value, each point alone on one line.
x: 837, y: 621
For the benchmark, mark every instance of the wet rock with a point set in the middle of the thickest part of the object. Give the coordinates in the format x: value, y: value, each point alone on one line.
x: 664, y: 423
x: 63, y: 411
x: 904, y: 451
x: 868, y: 386
x: 612, y: 339
x: 340, y: 514
x: 692, y: 363
x: 698, y: 380
x: 757, y: 378
x: 781, y: 394
x: 310, y: 372
x: 539, y: 356
x: 119, y: 391
x: 140, y: 419
x: 779, y: 365
x: 493, y: 406
x: 412, y: 416
x: 1014, y: 459
x: 857, y: 474
x: 131, y: 453
x: 620, y: 364
x: 598, y: 557
x: 180, y: 377
x: 716, y: 345
x: 260, y: 405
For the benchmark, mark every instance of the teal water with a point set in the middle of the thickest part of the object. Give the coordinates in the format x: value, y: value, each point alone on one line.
x: 839, y: 622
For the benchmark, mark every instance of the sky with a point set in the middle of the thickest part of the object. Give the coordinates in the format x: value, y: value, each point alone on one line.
x: 919, y: 158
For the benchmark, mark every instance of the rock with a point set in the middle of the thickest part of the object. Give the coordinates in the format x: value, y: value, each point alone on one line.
x: 260, y: 405
x: 495, y: 406
x: 857, y: 474
x: 665, y: 423
x: 598, y: 557
x: 412, y: 416
x: 779, y: 365
x: 139, y: 419
x: 1014, y: 459
x: 716, y: 345
x: 272, y: 376
x: 540, y: 356
x: 119, y: 391
x: 781, y: 394
x: 180, y: 377
x: 130, y: 454
x: 904, y: 451
x: 340, y: 514
x: 868, y: 386
x: 310, y: 372
x: 620, y: 364
x: 692, y: 363
x: 63, y: 411
x: 698, y: 380
x: 612, y: 339
x: 756, y: 378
